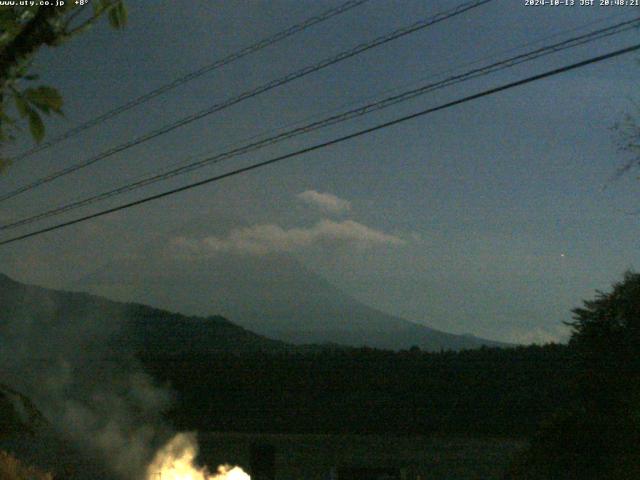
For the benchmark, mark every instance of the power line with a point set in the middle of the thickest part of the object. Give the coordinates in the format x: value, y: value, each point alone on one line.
x: 335, y: 141
x: 251, y: 93
x: 339, y: 118
x: 265, y: 42
x: 390, y: 90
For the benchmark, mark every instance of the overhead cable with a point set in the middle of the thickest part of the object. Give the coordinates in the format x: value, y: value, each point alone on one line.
x: 328, y: 143
x: 339, y: 118
x: 265, y: 42
x: 249, y: 94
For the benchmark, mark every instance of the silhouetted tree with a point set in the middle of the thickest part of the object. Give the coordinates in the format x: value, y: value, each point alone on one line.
x: 24, y: 29
x: 628, y: 132
x: 596, y: 436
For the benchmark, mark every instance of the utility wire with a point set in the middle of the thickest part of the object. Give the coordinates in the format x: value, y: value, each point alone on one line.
x: 371, y: 97
x: 339, y: 118
x: 251, y: 93
x: 265, y: 42
x: 334, y: 141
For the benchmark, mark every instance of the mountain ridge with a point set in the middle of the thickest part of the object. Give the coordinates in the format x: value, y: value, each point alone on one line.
x: 272, y: 329
x: 275, y: 296
x: 142, y: 327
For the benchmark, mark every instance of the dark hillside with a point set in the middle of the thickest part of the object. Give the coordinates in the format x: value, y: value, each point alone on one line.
x: 273, y: 295
x: 487, y: 391
x: 130, y: 327
x: 229, y: 379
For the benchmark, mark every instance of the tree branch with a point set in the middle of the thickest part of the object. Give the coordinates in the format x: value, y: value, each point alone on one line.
x: 36, y: 33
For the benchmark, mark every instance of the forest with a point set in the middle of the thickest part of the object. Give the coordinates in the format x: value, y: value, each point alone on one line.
x: 339, y: 390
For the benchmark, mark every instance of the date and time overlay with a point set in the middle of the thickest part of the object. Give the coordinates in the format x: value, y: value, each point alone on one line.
x: 526, y: 3
x: 582, y: 3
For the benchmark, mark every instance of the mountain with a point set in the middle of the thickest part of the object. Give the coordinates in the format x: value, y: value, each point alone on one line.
x: 80, y: 359
x: 273, y: 295
x: 128, y: 327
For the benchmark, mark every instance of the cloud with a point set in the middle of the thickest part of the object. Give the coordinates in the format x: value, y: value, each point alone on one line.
x: 325, y: 201
x: 264, y: 239
x: 539, y: 335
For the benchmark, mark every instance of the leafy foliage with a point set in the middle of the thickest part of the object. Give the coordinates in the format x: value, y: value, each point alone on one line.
x: 628, y: 137
x: 25, y: 29
x: 117, y: 14
x: 597, y: 434
x: 32, y: 101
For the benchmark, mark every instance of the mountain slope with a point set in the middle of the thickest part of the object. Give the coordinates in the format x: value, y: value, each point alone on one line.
x: 273, y: 295
x: 129, y: 327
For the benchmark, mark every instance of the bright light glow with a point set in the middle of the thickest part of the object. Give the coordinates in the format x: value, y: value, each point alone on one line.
x: 175, y: 460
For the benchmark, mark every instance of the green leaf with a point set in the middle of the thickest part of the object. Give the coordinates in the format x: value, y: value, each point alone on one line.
x: 6, y: 119
x: 36, y: 126
x: 22, y: 106
x: 10, y: 25
x: 44, y: 98
x: 98, y: 7
x: 22, y: 67
x: 7, y: 19
x: 118, y: 15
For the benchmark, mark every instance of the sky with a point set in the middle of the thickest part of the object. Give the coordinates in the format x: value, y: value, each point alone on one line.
x: 494, y: 218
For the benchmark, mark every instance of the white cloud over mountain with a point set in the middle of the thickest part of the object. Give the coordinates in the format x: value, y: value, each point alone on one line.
x: 270, y: 238
x: 325, y: 202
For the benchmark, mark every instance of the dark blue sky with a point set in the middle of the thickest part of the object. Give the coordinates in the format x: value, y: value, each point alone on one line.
x: 488, y: 218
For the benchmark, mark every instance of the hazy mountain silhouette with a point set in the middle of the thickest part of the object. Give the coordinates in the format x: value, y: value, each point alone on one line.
x: 273, y: 295
x: 128, y: 327
x: 77, y: 357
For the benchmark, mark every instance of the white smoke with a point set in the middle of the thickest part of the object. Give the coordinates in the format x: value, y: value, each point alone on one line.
x: 61, y: 351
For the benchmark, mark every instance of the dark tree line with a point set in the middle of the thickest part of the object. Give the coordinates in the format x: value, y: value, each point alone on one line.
x: 596, y: 435
x: 487, y: 391
x: 578, y: 403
